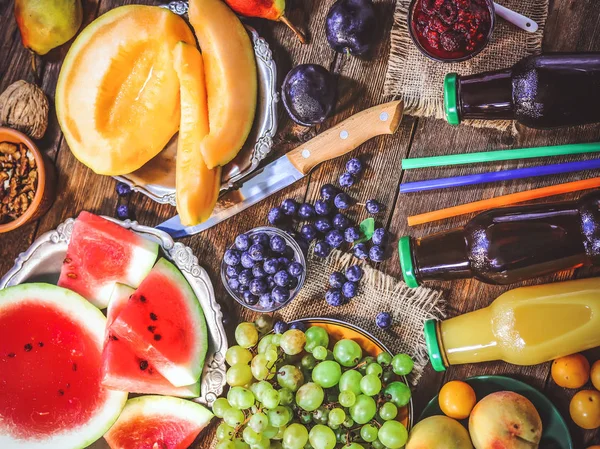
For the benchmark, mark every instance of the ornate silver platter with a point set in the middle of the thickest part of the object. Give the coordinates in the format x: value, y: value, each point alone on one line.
x: 43, y: 260
x: 156, y: 179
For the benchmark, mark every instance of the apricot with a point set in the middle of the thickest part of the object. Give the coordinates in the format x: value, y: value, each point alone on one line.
x: 457, y: 399
x: 572, y: 371
x: 585, y: 409
x: 595, y: 376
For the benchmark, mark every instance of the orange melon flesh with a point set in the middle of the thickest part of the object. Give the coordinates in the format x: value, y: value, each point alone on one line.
x: 231, y: 79
x: 197, y: 186
x: 117, y: 97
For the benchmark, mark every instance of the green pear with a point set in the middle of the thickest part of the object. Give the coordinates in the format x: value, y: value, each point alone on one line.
x: 45, y: 25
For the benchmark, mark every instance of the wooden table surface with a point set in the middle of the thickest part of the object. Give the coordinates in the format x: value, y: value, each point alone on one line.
x: 573, y: 25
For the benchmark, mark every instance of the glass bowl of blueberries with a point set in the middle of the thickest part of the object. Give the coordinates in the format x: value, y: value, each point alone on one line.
x: 264, y: 269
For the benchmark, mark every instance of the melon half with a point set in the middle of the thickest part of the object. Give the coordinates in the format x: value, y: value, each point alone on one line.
x: 50, y: 377
x: 117, y: 97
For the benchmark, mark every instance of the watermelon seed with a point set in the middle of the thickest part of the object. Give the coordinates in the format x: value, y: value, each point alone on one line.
x: 11, y: 354
x: 114, y: 338
x: 157, y: 337
x: 153, y: 316
x: 71, y: 275
x: 67, y: 260
x: 41, y: 344
x: 28, y: 347
x: 61, y: 392
x: 68, y: 385
x: 142, y: 298
x: 74, y: 366
x: 152, y: 328
x: 143, y: 365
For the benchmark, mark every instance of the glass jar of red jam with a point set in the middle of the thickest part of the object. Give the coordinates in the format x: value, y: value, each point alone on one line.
x: 451, y: 30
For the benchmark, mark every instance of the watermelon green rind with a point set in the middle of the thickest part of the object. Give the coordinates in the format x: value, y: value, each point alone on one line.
x: 93, y: 322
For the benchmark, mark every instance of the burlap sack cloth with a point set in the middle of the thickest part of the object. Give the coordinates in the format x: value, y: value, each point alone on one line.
x: 419, y: 80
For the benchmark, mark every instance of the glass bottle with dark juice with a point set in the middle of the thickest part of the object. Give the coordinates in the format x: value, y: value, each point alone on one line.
x: 540, y: 91
x: 507, y: 245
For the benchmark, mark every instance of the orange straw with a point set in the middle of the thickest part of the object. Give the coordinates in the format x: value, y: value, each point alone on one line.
x: 503, y: 200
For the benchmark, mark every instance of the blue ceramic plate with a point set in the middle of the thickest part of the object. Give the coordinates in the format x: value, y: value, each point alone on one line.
x: 555, y: 433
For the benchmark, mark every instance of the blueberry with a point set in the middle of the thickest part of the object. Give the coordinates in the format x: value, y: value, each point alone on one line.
x: 342, y: 201
x: 262, y: 238
x: 257, y: 252
x: 300, y: 325
x: 335, y: 238
x: 354, y: 273
x: 258, y: 270
x: 349, y: 289
x: 233, y: 271
x: 383, y: 320
x: 123, y: 189
x: 280, y: 294
x: 322, y: 249
x: 354, y: 166
x: 336, y: 279
x: 328, y: 191
x: 361, y: 251
x: 380, y: 237
x: 373, y: 207
x: 296, y: 269
x: 282, y: 278
x: 277, y: 244
x: 284, y: 262
x: 293, y: 283
x: 276, y: 216
x: 123, y: 211
x: 323, y: 224
x: 242, y: 288
x: 341, y: 222
x: 232, y: 257
x: 242, y: 242
x: 247, y: 261
x: 245, y: 277
x: 306, y: 211
x: 249, y: 298
x: 257, y: 287
x: 280, y: 327
x: 376, y: 253
x: 346, y: 180
x: 322, y: 207
x: 265, y: 300
x: 271, y: 265
x: 270, y: 281
x: 289, y: 207
x: 308, y: 231
x: 352, y: 234
x: 334, y: 297
x: 233, y: 283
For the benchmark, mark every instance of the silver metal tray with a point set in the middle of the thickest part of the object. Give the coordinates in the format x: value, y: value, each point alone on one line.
x: 43, y: 260
x: 156, y: 179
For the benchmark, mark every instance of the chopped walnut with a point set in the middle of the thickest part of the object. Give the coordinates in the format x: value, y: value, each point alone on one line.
x: 18, y: 180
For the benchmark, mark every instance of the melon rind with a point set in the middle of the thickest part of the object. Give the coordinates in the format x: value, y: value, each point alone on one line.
x: 155, y: 407
x: 93, y: 321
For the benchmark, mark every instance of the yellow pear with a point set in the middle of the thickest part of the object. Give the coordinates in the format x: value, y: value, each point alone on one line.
x: 45, y: 25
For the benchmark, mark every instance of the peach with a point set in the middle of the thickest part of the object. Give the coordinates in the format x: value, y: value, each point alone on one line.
x: 439, y: 432
x: 505, y: 420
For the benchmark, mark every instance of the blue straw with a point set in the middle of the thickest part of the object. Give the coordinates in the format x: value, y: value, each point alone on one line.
x: 504, y: 175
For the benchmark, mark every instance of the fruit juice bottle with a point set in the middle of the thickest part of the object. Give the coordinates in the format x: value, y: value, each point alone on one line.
x: 508, y: 244
x: 524, y: 326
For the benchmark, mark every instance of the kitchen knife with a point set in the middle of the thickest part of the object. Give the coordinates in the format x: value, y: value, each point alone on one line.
x: 289, y: 168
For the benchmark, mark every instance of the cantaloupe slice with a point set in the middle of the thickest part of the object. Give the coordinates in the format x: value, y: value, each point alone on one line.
x: 231, y: 78
x: 197, y: 186
x: 117, y: 97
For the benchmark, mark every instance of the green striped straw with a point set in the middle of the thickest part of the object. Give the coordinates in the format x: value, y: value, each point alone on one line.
x: 499, y: 155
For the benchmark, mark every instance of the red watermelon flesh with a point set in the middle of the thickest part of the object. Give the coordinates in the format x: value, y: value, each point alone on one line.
x: 102, y: 253
x: 152, y: 422
x: 164, y: 324
x: 123, y: 370
x: 50, y: 353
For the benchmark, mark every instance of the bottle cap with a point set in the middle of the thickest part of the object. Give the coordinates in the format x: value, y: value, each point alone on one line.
x: 451, y: 98
x: 408, y: 271
x: 433, y: 347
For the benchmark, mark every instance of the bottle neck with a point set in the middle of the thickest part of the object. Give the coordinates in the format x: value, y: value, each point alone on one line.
x: 487, y: 96
x: 441, y: 256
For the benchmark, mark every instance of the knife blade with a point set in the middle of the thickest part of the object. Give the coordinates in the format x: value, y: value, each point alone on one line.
x: 296, y: 164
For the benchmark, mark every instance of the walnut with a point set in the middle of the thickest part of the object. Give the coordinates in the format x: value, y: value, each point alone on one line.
x: 24, y: 106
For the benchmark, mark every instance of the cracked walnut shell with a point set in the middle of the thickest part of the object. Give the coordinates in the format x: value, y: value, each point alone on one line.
x: 24, y: 107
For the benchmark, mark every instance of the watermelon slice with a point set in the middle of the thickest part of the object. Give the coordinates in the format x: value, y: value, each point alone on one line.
x: 125, y: 371
x: 163, y: 323
x: 102, y: 253
x: 50, y: 352
x: 158, y: 422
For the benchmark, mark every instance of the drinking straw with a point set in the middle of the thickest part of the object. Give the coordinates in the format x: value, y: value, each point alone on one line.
x: 503, y: 175
x: 499, y: 155
x: 503, y: 200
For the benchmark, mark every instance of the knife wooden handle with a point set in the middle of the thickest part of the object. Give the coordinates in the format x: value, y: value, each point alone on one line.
x: 347, y: 135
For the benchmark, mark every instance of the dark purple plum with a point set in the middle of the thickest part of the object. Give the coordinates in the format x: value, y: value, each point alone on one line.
x: 308, y: 94
x: 351, y: 26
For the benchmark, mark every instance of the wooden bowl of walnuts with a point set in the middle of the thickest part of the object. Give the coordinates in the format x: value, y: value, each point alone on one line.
x: 27, y: 180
